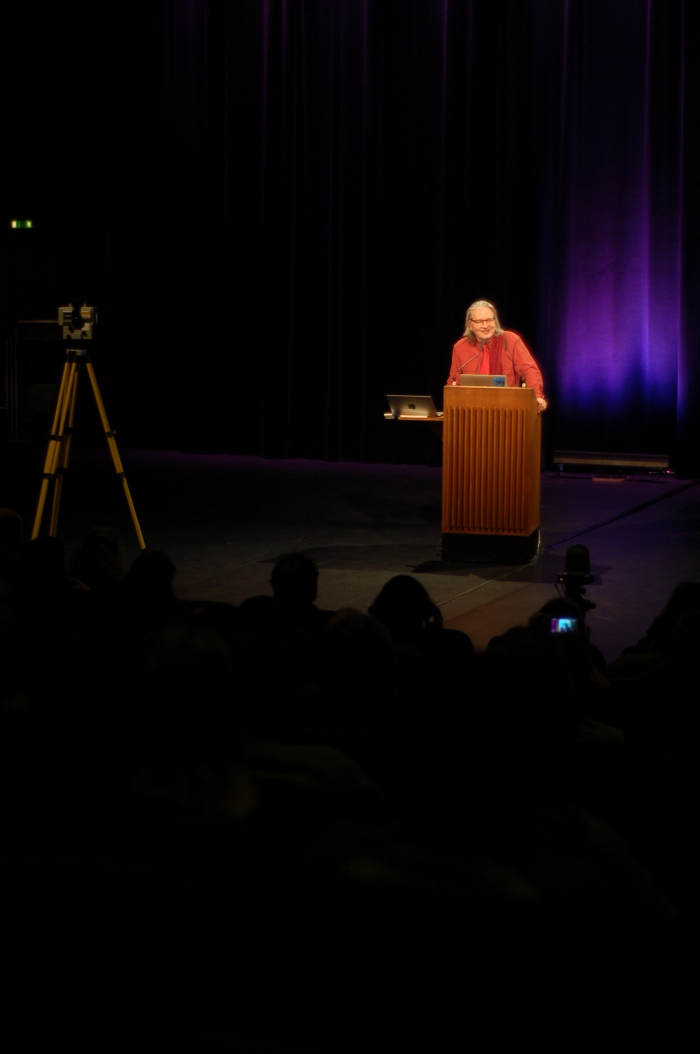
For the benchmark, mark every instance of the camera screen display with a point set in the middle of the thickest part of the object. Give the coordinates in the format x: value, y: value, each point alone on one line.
x: 564, y: 625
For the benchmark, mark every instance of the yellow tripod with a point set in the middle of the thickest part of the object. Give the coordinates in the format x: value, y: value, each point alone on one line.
x: 59, y: 442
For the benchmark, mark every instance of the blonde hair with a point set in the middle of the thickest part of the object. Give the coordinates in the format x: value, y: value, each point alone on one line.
x: 468, y: 333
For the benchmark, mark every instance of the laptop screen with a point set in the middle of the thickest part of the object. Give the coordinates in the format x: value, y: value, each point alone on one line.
x: 412, y: 406
x: 483, y: 380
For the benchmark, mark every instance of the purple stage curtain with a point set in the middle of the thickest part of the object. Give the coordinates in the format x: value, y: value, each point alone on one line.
x: 364, y: 169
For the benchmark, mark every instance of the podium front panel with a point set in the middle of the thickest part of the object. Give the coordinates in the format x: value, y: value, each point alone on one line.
x: 491, y: 462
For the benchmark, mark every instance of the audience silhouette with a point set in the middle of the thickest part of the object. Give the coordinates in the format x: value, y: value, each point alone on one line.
x: 311, y: 829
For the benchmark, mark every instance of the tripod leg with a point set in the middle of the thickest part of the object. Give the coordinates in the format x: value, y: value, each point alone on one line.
x: 111, y: 443
x: 64, y: 452
x: 59, y: 420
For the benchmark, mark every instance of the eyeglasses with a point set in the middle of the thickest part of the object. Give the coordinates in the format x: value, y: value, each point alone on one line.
x: 482, y: 321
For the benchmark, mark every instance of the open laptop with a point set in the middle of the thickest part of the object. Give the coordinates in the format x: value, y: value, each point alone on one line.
x: 484, y: 380
x: 412, y: 406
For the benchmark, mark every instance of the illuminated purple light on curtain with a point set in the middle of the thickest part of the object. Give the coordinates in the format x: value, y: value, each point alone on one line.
x: 619, y: 328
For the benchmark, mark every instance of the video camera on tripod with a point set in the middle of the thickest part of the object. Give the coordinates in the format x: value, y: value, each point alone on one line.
x: 77, y: 325
x: 576, y: 576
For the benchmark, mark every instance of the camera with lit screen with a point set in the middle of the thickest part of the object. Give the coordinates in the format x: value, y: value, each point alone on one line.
x: 564, y: 625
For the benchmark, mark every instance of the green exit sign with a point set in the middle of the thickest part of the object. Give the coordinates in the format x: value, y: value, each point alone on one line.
x: 21, y: 225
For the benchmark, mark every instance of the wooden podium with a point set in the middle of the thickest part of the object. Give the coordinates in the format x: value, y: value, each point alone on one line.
x: 490, y: 475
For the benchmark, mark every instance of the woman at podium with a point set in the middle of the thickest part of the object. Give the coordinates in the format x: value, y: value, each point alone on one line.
x: 487, y: 348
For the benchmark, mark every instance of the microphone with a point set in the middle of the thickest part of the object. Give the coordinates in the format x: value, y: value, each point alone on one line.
x: 462, y: 365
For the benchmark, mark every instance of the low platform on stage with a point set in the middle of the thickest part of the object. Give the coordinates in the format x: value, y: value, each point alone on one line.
x: 225, y: 519
x: 490, y: 548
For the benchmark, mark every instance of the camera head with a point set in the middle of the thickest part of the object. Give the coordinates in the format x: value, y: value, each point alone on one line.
x: 576, y: 575
x: 77, y: 322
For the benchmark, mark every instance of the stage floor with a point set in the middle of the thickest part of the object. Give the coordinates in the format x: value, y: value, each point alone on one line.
x: 225, y: 519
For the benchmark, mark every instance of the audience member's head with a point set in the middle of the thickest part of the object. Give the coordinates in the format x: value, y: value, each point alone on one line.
x: 404, y: 607
x: 684, y: 598
x: 684, y: 639
x: 153, y: 574
x: 294, y: 580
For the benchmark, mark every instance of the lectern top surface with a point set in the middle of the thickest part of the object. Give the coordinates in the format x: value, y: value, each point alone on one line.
x: 483, y: 380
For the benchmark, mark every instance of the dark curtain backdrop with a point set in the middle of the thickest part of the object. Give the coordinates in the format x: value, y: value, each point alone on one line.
x: 301, y: 197
x: 389, y: 162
